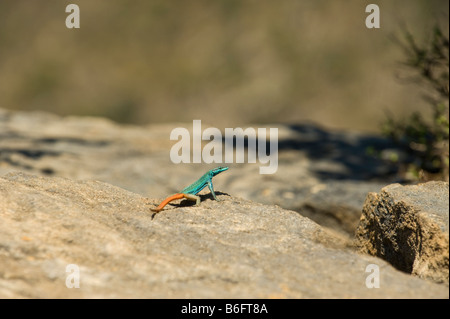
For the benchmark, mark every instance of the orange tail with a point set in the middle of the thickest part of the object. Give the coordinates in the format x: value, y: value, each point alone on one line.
x: 167, y: 201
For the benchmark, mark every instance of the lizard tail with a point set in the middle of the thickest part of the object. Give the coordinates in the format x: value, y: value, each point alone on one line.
x: 167, y: 201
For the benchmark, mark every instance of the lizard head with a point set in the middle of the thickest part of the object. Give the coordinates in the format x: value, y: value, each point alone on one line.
x: 218, y: 170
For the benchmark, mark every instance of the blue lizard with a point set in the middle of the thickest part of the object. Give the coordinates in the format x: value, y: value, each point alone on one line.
x: 190, y: 192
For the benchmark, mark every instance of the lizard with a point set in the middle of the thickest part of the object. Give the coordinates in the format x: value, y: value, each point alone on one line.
x: 190, y: 192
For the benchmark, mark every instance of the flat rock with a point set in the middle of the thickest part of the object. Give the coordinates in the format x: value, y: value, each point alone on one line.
x: 333, y: 204
x: 408, y: 227
x: 229, y: 249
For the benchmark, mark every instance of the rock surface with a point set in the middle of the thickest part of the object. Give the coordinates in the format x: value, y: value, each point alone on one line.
x: 408, y: 227
x: 53, y: 213
x: 322, y: 174
x: 229, y: 249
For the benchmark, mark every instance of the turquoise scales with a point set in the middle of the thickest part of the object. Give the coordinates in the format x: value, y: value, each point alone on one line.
x: 190, y: 192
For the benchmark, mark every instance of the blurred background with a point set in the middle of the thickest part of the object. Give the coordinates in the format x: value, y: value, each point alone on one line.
x: 225, y: 62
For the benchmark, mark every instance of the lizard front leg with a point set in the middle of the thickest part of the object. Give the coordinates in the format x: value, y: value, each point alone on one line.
x: 211, y: 189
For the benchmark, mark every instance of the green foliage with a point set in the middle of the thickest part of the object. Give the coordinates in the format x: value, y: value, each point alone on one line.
x: 426, y: 140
